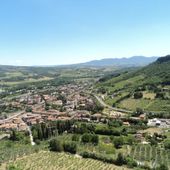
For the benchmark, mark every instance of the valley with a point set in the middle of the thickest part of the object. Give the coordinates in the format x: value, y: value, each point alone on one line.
x: 101, y: 117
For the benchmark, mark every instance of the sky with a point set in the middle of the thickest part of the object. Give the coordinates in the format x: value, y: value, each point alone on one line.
x: 54, y: 32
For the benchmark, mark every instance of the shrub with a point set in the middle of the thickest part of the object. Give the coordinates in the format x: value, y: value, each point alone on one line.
x: 90, y: 138
x: 75, y: 137
x: 70, y: 147
x: 118, y: 142
x: 162, y: 167
x: 56, y: 145
x: 167, y: 144
x: 97, y: 157
x: 130, y: 162
x: 138, y: 95
x: 160, y: 95
x: 120, y: 160
x: 13, y: 167
x: 28, y: 109
x: 86, y: 138
x: 95, y: 139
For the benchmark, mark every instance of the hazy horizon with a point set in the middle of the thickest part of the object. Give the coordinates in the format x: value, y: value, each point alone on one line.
x: 48, y: 32
x: 75, y: 63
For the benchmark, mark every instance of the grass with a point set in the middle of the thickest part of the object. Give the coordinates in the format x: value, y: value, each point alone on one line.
x: 159, y: 105
x: 132, y: 104
x: 110, y: 100
x: 148, y: 78
x: 25, y: 81
x: 119, y: 83
x: 105, y: 146
x: 10, y: 151
x: 149, y: 95
x: 60, y: 161
x: 155, y: 105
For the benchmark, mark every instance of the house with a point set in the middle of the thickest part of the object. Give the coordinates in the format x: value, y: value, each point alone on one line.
x: 158, y: 123
x: 126, y: 123
x: 142, y: 116
x: 139, y: 136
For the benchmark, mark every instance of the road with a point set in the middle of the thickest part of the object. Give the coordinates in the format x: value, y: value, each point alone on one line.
x: 15, y: 115
x: 21, y: 113
x: 110, y: 107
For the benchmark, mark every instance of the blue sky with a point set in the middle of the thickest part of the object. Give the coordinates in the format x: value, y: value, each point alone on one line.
x: 44, y: 32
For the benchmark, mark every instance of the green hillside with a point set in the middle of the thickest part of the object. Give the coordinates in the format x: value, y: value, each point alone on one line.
x: 147, y: 88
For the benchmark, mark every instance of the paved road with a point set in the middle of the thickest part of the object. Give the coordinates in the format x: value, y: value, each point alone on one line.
x: 21, y: 113
x: 15, y: 115
x: 110, y: 107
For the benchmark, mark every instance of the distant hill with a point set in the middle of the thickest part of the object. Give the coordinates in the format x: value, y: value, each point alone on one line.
x: 134, y: 61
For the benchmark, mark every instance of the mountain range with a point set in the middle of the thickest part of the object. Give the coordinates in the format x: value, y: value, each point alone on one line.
x: 134, y: 61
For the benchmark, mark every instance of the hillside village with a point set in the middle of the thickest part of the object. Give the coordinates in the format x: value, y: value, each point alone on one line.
x: 68, y: 102
x: 85, y: 118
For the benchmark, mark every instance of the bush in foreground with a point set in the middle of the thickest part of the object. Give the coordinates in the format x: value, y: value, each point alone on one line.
x: 70, y: 147
x: 56, y: 145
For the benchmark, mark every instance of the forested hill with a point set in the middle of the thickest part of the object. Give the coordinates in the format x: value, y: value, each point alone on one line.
x: 159, y: 71
x: 152, y: 82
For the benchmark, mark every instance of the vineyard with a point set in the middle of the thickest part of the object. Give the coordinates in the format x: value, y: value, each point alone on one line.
x: 12, y: 153
x: 60, y: 161
x: 150, y: 155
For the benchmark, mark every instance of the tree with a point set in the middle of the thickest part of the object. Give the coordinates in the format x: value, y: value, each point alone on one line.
x: 118, y: 142
x: 90, y: 138
x: 162, y: 167
x: 70, y: 147
x: 95, y: 139
x: 160, y: 95
x: 167, y: 144
x: 153, y: 141
x: 131, y: 163
x: 138, y: 95
x: 13, y: 135
x: 28, y: 109
x: 75, y: 137
x: 120, y: 160
x: 86, y: 138
x: 13, y: 167
x: 56, y: 145
x: 130, y: 140
x: 138, y: 112
x: 16, y: 136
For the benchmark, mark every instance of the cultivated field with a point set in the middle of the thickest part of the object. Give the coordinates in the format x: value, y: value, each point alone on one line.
x: 150, y: 155
x: 60, y: 161
x: 148, y: 105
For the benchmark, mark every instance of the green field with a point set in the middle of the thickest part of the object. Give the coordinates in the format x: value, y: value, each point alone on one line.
x: 151, y: 81
x: 60, y: 161
x: 150, y: 155
x: 148, y: 105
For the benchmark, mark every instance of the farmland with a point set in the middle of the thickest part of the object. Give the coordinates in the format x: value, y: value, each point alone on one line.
x: 152, y: 82
x: 83, y: 119
x: 150, y: 155
x: 60, y: 161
